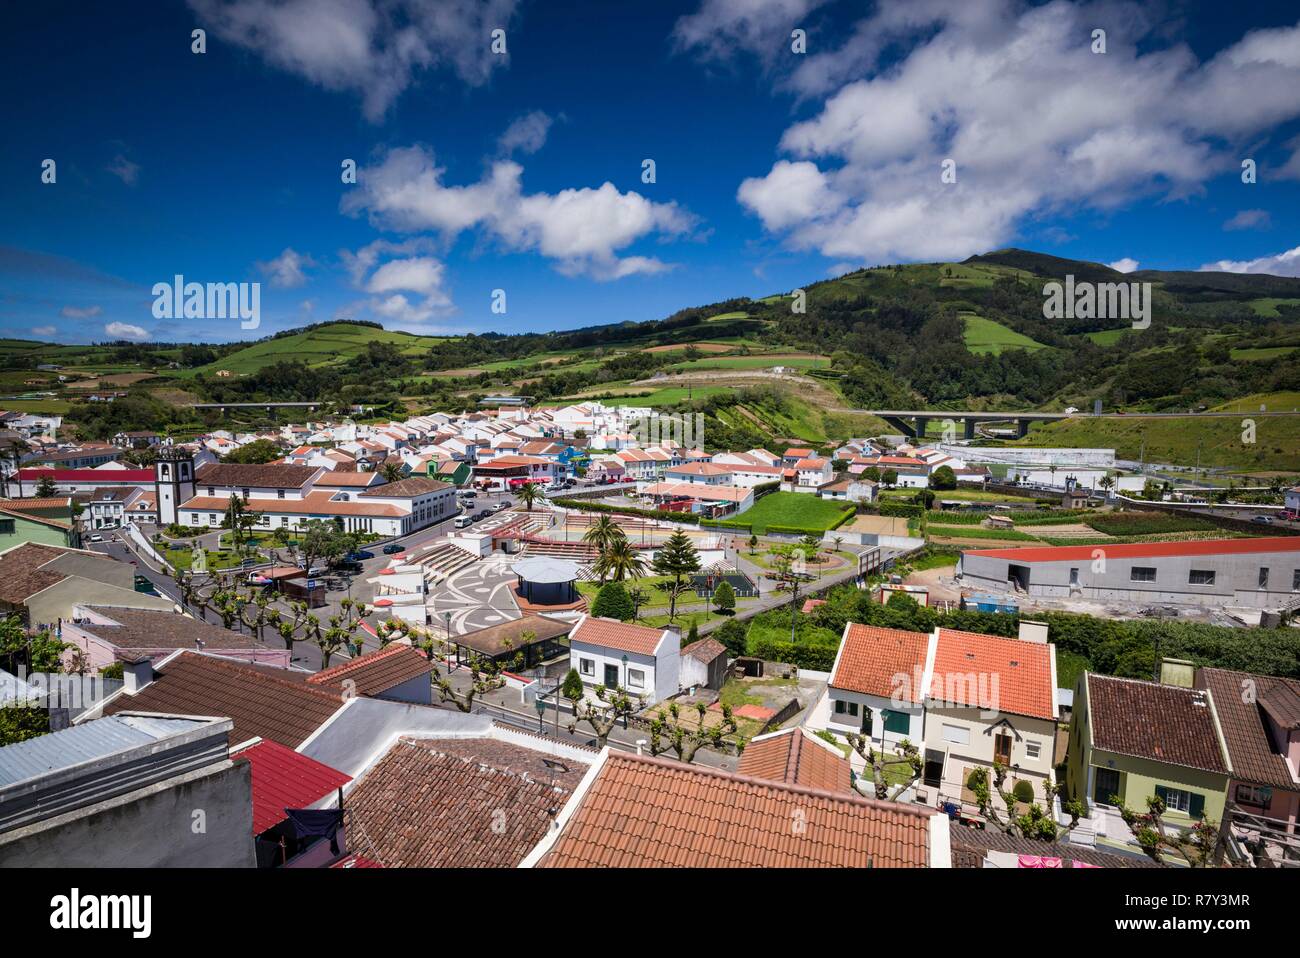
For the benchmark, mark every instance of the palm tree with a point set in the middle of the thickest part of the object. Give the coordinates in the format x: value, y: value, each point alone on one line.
x: 392, y: 472
x: 620, y: 561
x: 528, y: 494
x: 603, y: 533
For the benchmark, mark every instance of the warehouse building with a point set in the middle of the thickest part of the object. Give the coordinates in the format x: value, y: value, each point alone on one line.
x: 1259, y: 573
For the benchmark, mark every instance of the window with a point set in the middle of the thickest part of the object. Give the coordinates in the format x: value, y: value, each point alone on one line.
x: 6, y: 526
x: 839, y: 706
x: 1200, y: 577
x: 279, y: 493
x: 1263, y: 577
x: 211, y: 491
x: 1142, y: 574
x: 900, y: 723
x: 587, y: 666
x: 1295, y: 581
x: 956, y: 734
x: 635, y: 679
x: 244, y: 492
x: 1002, y: 748
x: 1179, y: 800
x: 1032, y: 748
x: 1253, y: 795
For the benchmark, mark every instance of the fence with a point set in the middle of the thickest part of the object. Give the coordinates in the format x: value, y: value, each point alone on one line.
x: 142, y: 544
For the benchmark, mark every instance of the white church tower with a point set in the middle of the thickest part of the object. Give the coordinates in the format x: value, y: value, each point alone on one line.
x: 173, y: 482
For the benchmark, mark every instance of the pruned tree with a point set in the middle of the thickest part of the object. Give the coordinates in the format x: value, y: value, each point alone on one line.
x: 879, y: 763
x: 668, y: 732
x: 602, y: 715
x: 1201, y: 846
x: 1037, y: 822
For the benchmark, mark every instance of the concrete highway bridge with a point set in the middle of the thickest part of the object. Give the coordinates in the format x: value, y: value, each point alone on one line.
x: 270, y: 407
x: 912, y: 422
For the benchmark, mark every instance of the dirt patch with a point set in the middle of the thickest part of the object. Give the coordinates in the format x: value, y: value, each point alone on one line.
x: 981, y: 543
x: 1074, y: 530
x: 938, y: 582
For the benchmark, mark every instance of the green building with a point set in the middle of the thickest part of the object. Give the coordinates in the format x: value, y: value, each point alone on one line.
x: 454, y: 471
x: 46, y: 521
x: 1135, y: 739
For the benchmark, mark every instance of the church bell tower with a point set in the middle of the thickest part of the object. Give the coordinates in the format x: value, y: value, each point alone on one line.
x: 173, y: 482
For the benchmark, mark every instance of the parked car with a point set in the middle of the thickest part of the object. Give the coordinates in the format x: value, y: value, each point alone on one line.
x: 1289, y: 516
x: 467, y: 494
x: 96, y: 538
x: 484, y: 514
x: 393, y: 548
x: 1265, y: 520
x: 503, y: 505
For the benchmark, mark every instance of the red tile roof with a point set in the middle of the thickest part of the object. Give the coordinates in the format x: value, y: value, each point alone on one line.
x: 797, y: 757
x: 1147, y: 550
x: 643, y: 812
x: 115, y: 476
x: 870, y: 657
x: 1165, y: 723
x: 457, y: 803
x: 1023, y: 670
x: 263, y: 702
x: 1254, y: 757
x: 283, y: 778
x: 376, y: 671
x: 612, y: 634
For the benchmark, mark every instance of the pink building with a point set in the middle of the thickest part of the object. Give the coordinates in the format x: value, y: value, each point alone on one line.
x: 107, y: 634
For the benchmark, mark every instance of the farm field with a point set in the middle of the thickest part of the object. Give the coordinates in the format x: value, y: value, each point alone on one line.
x: 1107, y: 337
x: 796, y: 361
x: 985, y: 337
x: 316, y: 347
x: 1267, y: 306
x: 1266, y: 352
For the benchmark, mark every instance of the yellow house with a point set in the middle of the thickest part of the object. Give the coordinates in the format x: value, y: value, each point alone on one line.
x: 1131, y: 740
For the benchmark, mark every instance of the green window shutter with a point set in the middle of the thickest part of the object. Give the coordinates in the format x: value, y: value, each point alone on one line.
x: 1162, y: 793
x: 1196, y: 808
x: 897, y: 722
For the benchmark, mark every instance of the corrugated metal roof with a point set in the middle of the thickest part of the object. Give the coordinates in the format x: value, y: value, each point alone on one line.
x: 83, y: 743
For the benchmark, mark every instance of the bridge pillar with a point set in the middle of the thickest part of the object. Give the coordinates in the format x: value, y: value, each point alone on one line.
x: 968, y: 428
x: 921, y: 423
x: 1022, y: 428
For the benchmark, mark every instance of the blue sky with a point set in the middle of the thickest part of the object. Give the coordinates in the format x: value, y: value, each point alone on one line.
x: 523, y: 172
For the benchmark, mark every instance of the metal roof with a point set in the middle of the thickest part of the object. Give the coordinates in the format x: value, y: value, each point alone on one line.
x: 73, y: 746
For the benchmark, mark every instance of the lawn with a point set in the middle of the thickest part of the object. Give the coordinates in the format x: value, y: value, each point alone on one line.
x: 1107, y: 337
x: 985, y: 337
x: 322, y: 346
x: 790, y: 512
x: 1266, y: 352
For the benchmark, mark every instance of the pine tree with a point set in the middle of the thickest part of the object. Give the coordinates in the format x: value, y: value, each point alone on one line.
x: 725, y: 598
x: 677, y: 557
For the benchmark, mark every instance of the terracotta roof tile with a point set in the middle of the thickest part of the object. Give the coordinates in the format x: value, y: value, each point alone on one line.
x: 438, y: 803
x: 1245, y: 723
x: 259, y: 702
x: 376, y: 671
x: 1165, y: 723
x: 155, y: 629
x: 1023, y: 671
x: 642, y: 812
x: 412, y: 486
x: 797, y: 757
x: 612, y: 634
x: 266, y: 476
x: 871, y: 657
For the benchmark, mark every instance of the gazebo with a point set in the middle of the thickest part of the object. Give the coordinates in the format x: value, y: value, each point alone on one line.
x: 547, y: 580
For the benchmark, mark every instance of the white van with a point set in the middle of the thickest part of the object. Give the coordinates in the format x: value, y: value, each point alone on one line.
x: 463, y: 521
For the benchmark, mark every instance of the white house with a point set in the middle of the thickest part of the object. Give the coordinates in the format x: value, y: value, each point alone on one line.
x: 878, y: 674
x: 646, y: 662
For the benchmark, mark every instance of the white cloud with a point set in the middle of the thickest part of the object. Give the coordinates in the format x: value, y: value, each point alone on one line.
x: 721, y: 28
x: 124, y: 170
x: 126, y: 331
x: 374, y: 48
x: 1286, y: 263
x: 1036, y: 123
x: 286, y: 271
x: 390, y: 282
x: 1249, y: 220
x: 526, y: 134
x: 581, y: 230
x: 1125, y: 265
x: 44, y: 330
x: 74, y: 312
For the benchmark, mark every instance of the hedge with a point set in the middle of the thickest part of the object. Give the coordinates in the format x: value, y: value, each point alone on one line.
x: 804, y: 655
x: 582, y: 504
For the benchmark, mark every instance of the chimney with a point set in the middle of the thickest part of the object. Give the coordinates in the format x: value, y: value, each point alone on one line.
x: 136, y: 674
x: 1033, y: 631
x: 640, y: 746
x: 1179, y: 672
